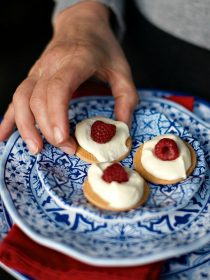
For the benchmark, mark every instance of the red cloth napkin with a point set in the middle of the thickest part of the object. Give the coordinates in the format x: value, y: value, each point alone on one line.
x: 19, y: 252
x: 186, y: 101
x: 24, y: 255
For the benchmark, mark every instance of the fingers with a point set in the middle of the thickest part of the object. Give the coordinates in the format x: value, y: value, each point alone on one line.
x: 43, y: 97
x: 24, y: 117
x: 8, y: 123
x: 39, y: 107
x: 49, y: 104
x: 126, y: 97
x: 43, y: 100
x: 60, y: 89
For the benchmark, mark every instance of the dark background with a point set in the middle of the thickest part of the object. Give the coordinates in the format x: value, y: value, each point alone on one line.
x: 25, y: 28
x: 158, y: 60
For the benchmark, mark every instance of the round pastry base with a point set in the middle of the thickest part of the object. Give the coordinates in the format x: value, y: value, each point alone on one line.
x: 90, y: 158
x: 150, y: 178
x: 96, y: 200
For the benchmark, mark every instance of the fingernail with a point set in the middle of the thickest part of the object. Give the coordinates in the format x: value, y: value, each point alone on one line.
x: 33, y: 148
x: 68, y: 149
x: 58, y: 135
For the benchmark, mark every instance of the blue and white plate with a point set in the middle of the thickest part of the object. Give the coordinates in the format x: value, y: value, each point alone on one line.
x: 63, y: 175
x: 201, y: 107
x: 101, y: 243
x: 192, y: 266
x: 88, y: 240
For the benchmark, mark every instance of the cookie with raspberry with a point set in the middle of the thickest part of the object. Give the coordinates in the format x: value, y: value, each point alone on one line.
x: 165, y: 159
x: 102, y: 139
x: 111, y: 186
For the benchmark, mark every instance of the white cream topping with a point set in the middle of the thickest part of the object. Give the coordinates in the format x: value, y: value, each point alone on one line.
x: 166, y: 170
x: 117, y: 195
x: 109, y: 151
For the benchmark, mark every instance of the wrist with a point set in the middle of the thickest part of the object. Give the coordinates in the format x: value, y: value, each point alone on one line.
x: 85, y: 12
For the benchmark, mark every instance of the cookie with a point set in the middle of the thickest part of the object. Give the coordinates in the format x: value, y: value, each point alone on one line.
x: 115, y: 196
x: 90, y: 158
x: 165, y: 171
x: 102, y: 140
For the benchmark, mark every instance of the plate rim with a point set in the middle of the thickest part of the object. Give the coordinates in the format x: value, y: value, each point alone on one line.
x: 144, y: 98
x: 47, y: 242
x: 73, y: 253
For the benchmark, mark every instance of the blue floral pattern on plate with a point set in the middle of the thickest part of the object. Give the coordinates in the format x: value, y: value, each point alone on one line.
x: 188, y: 267
x: 5, y: 220
x: 35, y: 212
x: 63, y: 175
x: 201, y: 106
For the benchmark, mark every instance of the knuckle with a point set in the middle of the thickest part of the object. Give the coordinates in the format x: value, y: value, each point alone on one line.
x: 55, y: 84
x: 54, y: 53
x: 18, y: 94
x: 35, y: 103
x: 35, y: 69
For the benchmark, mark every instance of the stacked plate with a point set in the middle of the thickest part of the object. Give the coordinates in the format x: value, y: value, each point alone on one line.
x: 44, y: 195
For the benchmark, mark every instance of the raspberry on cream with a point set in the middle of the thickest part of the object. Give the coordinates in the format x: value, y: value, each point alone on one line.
x: 166, y: 149
x: 117, y: 195
x: 170, y: 169
x: 115, y: 172
x: 102, y: 132
x: 103, y: 152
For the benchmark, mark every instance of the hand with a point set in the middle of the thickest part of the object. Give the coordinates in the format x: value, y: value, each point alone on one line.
x: 82, y: 46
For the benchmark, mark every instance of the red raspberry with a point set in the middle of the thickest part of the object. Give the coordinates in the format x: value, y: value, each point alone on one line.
x: 115, y: 172
x: 166, y: 149
x: 102, y: 132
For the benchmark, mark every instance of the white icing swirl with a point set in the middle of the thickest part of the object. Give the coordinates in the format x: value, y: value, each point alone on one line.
x: 109, y: 151
x: 166, y: 170
x: 117, y: 195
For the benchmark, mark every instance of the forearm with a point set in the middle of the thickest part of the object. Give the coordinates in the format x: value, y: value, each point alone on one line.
x: 86, y: 14
x: 115, y: 7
